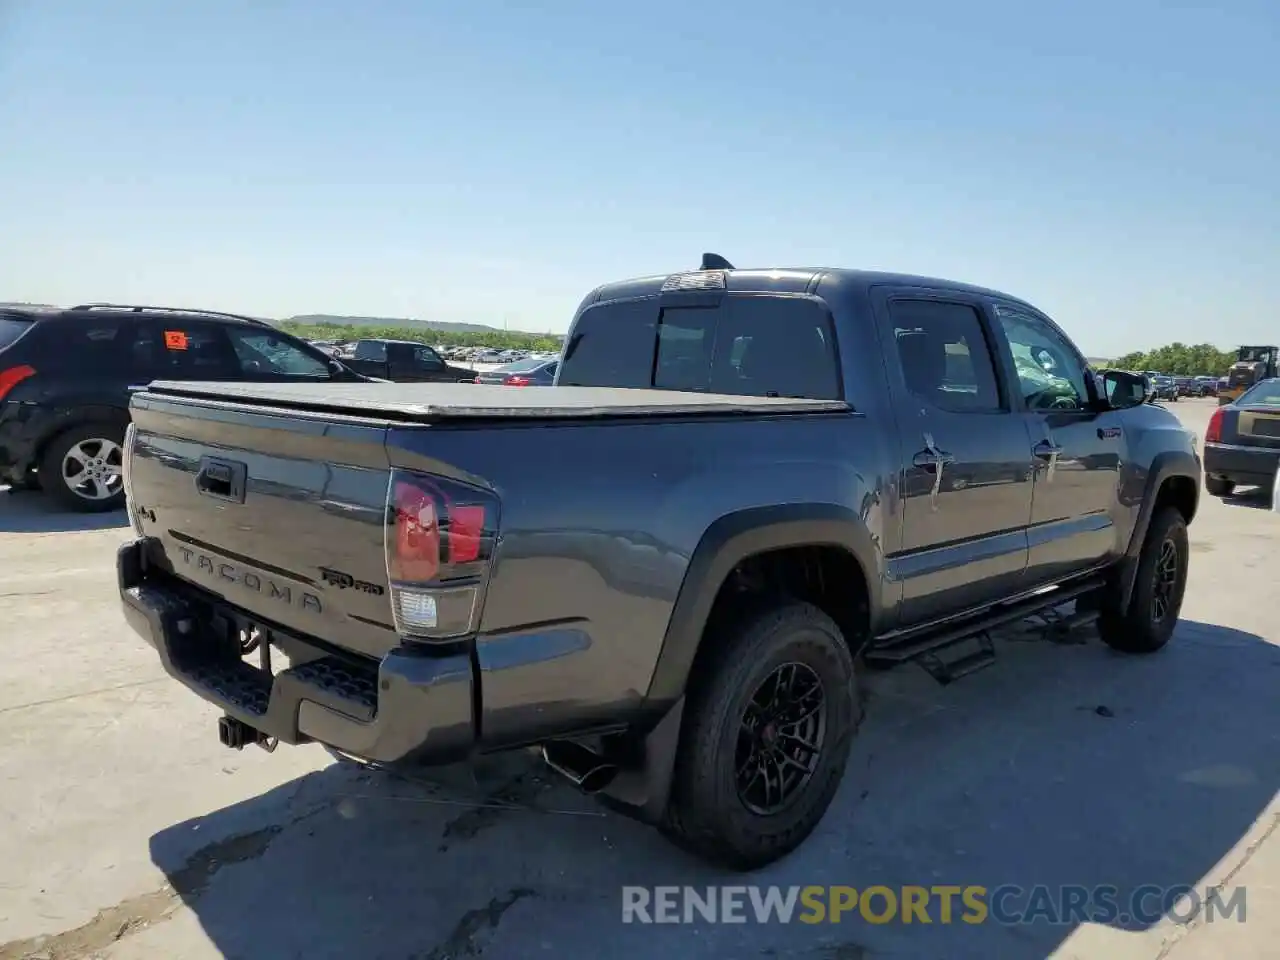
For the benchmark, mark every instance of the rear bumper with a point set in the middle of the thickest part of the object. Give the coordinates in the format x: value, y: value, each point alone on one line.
x: 1246, y: 465
x: 408, y: 707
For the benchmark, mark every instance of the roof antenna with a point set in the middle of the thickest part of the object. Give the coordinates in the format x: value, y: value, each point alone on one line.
x: 713, y: 261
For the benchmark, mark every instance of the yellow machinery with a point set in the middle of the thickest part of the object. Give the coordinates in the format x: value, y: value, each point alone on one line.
x: 1252, y: 364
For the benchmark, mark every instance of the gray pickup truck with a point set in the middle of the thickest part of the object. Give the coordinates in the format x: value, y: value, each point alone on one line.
x: 666, y: 570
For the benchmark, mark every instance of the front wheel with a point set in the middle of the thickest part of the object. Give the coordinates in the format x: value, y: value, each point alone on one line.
x: 772, y: 711
x: 1148, y: 621
x: 82, y: 468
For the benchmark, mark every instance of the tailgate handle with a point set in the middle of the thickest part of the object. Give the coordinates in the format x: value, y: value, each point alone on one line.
x: 221, y: 479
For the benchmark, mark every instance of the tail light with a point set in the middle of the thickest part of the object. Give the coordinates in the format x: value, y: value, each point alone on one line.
x: 514, y: 381
x: 439, y: 541
x: 13, y: 376
x: 1213, y: 434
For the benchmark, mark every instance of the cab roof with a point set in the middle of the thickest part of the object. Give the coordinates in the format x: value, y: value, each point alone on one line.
x: 777, y: 280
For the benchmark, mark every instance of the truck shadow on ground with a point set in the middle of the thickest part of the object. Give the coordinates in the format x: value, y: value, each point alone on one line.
x: 28, y: 511
x: 1259, y: 498
x: 1064, y: 765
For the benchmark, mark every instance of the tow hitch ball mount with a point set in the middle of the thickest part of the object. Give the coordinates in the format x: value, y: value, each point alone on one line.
x: 237, y: 735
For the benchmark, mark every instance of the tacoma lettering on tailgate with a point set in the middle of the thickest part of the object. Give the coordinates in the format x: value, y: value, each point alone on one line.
x: 280, y: 592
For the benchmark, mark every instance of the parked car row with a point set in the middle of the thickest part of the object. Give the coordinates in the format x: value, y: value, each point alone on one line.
x: 1165, y: 387
x: 66, y: 377
x: 351, y: 349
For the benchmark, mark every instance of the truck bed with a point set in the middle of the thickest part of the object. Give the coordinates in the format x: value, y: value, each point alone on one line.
x: 425, y: 402
x: 316, y: 458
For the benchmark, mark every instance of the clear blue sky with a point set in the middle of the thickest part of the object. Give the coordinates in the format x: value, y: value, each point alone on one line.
x: 1115, y: 162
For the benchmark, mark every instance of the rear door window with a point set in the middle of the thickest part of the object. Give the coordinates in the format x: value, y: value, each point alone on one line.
x: 11, y: 329
x: 180, y: 350
x: 374, y: 350
x: 85, y: 348
x: 746, y: 346
x: 944, y: 355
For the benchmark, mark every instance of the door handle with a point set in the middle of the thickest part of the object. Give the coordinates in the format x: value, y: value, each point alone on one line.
x: 1048, y: 450
x: 932, y: 459
x: 221, y: 479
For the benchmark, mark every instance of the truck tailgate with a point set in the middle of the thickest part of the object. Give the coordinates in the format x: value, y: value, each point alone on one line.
x: 280, y: 514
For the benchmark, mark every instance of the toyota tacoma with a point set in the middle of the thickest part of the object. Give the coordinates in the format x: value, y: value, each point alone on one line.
x: 667, y: 569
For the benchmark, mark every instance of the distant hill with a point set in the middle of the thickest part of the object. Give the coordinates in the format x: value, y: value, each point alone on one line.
x: 18, y: 305
x: 405, y: 322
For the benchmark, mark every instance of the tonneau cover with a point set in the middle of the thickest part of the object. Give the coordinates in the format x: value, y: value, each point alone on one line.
x: 441, y: 401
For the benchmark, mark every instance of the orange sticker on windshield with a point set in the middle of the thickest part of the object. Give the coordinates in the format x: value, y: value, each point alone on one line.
x: 175, y: 340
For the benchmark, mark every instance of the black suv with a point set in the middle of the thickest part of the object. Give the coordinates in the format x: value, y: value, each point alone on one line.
x: 66, y: 377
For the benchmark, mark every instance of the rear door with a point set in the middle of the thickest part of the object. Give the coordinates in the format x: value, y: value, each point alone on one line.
x: 184, y: 349
x: 403, y: 364
x: 966, y: 466
x: 82, y: 365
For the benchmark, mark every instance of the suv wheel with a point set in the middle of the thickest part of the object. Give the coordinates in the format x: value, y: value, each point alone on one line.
x: 771, y: 715
x: 82, y: 468
x: 1218, y: 488
x: 1158, y: 588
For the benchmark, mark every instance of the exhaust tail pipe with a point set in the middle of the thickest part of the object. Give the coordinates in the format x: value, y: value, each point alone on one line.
x: 584, y: 768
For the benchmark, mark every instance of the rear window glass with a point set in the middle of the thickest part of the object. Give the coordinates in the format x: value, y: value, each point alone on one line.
x: 375, y: 350
x: 11, y: 329
x: 612, y: 346
x: 1266, y: 393
x: 78, y: 344
x: 747, y: 346
x: 520, y: 366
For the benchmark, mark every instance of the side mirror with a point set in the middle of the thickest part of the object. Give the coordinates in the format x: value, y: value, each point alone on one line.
x: 1123, y: 390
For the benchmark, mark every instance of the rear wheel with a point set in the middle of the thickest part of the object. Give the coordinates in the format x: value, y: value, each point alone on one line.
x: 82, y: 468
x: 771, y: 714
x: 1218, y: 488
x: 1148, y: 621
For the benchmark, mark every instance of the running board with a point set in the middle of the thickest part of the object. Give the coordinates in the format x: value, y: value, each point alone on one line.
x: 971, y: 654
x: 937, y: 648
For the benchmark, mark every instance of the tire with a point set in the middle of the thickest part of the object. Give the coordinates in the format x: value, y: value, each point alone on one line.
x: 1218, y: 488
x: 708, y: 814
x: 78, y: 447
x: 1138, y: 629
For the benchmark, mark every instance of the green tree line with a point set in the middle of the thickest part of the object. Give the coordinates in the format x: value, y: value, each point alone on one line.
x: 1180, y: 359
x: 501, y: 339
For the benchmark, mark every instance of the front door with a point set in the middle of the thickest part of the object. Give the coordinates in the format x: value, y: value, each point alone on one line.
x: 966, y: 473
x: 1077, y: 447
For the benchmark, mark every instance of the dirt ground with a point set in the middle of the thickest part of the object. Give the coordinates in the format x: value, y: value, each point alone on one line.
x: 129, y: 832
